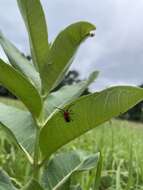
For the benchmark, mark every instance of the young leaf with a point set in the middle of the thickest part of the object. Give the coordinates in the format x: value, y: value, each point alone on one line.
x: 19, y: 126
x: 20, y: 87
x: 64, y: 165
x: 89, y: 112
x: 34, y: 18
x: 69, y: 92
x: 62, y: 52
x: 18, y: 61
x: 5, y: 182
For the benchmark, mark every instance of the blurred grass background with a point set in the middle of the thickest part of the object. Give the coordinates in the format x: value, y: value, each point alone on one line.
x: 120, y: 143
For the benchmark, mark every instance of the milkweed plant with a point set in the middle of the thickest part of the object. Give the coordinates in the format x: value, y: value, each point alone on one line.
x: 46, y: 124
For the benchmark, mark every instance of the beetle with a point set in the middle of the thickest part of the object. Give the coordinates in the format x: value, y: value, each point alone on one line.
x: 66, y: 114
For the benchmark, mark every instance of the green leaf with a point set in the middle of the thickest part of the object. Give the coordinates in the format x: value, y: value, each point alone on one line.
x: 89, y: 111
x: 64, y: 165
x: 66, y: 95
x: 20, y: 87
x: 66, y: 185
x: 13, y: 102
x: 19, y: 126
x: 62, y: 52
x: 19, y: 62
x: 34, y: 18
x: 32, y: 185
x: 5, y: 182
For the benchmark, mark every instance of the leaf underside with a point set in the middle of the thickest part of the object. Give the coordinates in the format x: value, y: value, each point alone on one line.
x: 66, y: 95
x: 64, y: 165
x: 5, y: 182
x: 62, y: 52
x: 20, y: 87
x: 88, y: 112
x: 19, y: 62
x: 35, y: 22
x: 19, y: 125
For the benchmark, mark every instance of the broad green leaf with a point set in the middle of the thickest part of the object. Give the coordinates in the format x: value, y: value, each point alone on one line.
x: 19, y: 126
x: 64, y: 165
x: 34, y: 18
x: 20, y: 87
x: 66, y: 95
x: 19, y: 62
x: 32, y: 185
x: 89, y: 112
x: 5, y: 182
x: 62, y: 52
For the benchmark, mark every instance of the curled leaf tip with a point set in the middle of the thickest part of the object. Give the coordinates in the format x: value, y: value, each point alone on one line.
x: 92, y: 33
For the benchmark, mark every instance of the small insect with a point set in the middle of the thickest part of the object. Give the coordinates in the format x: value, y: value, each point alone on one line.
x: 66, y: 114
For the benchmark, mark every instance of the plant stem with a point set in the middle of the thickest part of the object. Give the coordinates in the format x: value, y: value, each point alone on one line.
x: 36, y: 155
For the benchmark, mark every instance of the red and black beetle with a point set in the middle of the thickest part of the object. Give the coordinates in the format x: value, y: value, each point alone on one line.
x: 66, y: 114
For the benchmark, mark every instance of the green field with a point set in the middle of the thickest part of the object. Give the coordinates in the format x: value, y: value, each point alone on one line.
x: 121, y: 144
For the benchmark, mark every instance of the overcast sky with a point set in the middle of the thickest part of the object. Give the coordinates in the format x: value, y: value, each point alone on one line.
x: 116, y: 50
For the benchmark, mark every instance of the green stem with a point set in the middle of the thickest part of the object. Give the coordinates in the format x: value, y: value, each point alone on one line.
x: 36, y: 155
x: 44, y: 161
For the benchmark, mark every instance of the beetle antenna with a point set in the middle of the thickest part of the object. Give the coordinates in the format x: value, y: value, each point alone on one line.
x: 59, y: 108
